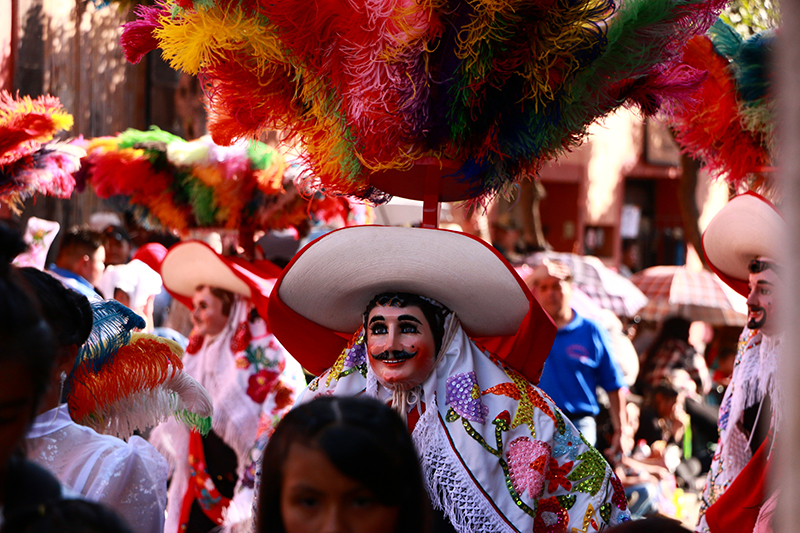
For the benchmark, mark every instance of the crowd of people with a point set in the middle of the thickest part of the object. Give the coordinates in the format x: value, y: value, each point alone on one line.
x: 353, y: 391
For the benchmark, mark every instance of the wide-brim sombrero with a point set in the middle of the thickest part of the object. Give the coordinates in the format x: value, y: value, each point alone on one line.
x: 190, y: 264
x: 322, y: 295
x: 748, y: 227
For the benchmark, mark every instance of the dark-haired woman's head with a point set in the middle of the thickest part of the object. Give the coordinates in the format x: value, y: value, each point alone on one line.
x: 27, y: 350
x: 342, y: 459
x: 69, y: 315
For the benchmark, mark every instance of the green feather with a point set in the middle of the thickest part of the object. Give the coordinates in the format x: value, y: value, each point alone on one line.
x: 130, y: 138
x: 261, y: 156
x: 201, y: 198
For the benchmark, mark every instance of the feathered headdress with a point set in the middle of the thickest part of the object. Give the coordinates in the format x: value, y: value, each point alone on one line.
x: 173, y: 184
x: 729, y: 122
x: 30, y: 161
x: 498, y: 87
x: 124, y: 381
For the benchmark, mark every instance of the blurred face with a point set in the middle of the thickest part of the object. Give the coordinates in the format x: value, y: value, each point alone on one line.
x: 207, y: 317
x: 91, y: 266
x: 761, y: 302
x: 553, y: 295
x: 317, y: 498
x: 400, y: 344
x: 118, y: 252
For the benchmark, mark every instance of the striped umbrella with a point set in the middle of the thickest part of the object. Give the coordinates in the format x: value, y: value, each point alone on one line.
x: 694, y: 295
x: 605, y: 287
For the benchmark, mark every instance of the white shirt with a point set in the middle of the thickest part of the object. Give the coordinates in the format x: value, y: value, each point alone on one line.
x: 129, y: 477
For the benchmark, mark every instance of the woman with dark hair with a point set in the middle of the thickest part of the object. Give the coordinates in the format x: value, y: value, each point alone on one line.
x: 27, y: 353
x: 342, y: 463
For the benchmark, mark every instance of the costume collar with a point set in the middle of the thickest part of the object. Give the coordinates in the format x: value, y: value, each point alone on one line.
x: 50, y: 421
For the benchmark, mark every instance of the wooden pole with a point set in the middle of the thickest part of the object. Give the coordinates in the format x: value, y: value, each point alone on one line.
x: 787, y: 72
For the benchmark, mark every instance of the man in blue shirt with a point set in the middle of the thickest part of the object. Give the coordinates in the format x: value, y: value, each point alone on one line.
x: 580, y: 360
x: 80, y: 261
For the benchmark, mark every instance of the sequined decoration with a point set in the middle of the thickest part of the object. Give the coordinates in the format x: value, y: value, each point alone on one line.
x: 567, y: 500
x: 567, y: 443
x: 336, y: 370
x: 591, y: 472
x: 314, y: 385
x: 588, y: 520
x: 618, y: 497
x: 550, y: 517
x: 527, y: 463
x: 557, y: 475
x: 529, y: 397
x: 605, y: 512
x: 464, y: 397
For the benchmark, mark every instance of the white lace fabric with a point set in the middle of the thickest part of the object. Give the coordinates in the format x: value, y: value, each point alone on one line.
x: 129, y: 477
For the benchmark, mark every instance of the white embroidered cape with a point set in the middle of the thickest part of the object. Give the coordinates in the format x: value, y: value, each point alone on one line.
x: 497, y: 454
x: 755, y: 372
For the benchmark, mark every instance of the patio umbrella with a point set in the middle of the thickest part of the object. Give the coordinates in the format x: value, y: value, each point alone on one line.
x: 694, y: 295
x: 605, y: 287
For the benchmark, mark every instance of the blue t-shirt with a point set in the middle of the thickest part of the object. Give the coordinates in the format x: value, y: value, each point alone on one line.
x: 579, y: 361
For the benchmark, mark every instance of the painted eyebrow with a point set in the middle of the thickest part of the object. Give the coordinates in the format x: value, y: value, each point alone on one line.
x: 401, y: 318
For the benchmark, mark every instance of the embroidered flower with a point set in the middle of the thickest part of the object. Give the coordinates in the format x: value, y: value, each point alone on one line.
x: 357, y: 355
x: 283, y: 396
x: 567, y: 442
x: 242, y: 363
x: 464, y: 396
x: 550, y: 517
x: 195, y: 343
x: 241, y: 337
x: 260, y: 383
x: 557, y: 475
x: 527, y: 465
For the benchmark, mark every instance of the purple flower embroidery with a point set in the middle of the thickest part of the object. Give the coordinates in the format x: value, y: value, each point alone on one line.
x: 568, y: 442
x: 464, y: 396
x: 356, y: 356
x: 527, y: 464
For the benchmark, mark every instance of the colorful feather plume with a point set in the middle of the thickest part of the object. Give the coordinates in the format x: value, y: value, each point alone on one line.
x: 728, y: 123
x: 499, y: 86
x: 30, y: 161
x: 172, y: 184
x: 143, y: 385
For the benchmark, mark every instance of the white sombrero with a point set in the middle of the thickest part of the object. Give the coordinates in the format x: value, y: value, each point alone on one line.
x: 192, y: 263
x: 333, y: 279
x: 748, y: 227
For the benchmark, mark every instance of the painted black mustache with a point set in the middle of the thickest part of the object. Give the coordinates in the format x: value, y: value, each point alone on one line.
x: 396, y: 355
x: 753, y: 323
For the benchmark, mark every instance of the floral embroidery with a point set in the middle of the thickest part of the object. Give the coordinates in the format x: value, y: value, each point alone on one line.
x: 566, y: 443
x: 590, y: 473
x: 241, y: 337
x: 557, y: 475
x: 195, y: 343
x: 528, y: 397
x: 353, y: 358
x: 527, y: 464
x: 260, y: 383
x: 284, y: 396
x: 464, y: 396
x: 550, y: 517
